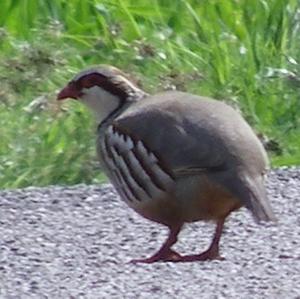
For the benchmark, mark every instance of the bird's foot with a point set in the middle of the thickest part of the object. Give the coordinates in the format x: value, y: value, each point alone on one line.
x: 172, y: 256
x: 210, y: 254
x: 165, y: 256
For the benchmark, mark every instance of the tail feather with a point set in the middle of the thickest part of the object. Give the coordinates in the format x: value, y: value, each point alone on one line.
x: 258, y: 202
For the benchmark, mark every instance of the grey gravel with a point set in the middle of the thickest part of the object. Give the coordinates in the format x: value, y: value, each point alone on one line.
x: 76, y: 242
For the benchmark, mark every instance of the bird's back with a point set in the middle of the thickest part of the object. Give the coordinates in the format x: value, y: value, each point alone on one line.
x: 193, y: 135
x: 176, y: 123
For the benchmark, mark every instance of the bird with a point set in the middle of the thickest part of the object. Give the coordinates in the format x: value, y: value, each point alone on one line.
x: 174, y: 157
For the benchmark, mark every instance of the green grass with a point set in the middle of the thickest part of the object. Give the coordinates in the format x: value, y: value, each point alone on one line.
x: 244, y: 52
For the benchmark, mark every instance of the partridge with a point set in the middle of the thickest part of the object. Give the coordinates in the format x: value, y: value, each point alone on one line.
x: 174, y: 157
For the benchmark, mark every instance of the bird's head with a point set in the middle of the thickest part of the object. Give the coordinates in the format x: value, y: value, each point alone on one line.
x: 104, y: 89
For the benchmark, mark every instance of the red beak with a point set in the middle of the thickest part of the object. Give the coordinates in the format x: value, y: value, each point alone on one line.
x: 70, y: 91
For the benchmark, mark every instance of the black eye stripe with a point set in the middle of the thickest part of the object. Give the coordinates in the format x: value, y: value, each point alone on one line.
x: 96, y: 79
x: 91, y: 80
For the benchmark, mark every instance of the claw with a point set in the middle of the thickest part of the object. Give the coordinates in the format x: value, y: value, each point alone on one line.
x: 167, y: 256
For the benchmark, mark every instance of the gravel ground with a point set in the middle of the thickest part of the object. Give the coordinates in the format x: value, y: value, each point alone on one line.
x: 75, y: 242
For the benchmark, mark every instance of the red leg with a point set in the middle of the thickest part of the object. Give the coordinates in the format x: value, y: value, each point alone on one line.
x: 212, y: 252
x: 165, y: 253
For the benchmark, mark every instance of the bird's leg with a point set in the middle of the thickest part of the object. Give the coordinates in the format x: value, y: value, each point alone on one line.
x: 212, y: 252
x: 165, y: 253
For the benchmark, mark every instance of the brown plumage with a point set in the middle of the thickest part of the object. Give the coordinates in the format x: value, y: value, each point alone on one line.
x: 174, y: 157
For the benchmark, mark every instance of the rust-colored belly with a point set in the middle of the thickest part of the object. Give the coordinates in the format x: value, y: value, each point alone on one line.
x: 191, y: 200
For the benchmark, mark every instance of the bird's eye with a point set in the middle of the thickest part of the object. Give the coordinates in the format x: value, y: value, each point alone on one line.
x: 88, y: 81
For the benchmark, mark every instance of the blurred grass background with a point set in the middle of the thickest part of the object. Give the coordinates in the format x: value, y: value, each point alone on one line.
x: 244, y: 52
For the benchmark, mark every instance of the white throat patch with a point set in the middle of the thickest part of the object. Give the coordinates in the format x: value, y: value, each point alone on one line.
x: 101, y: 102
